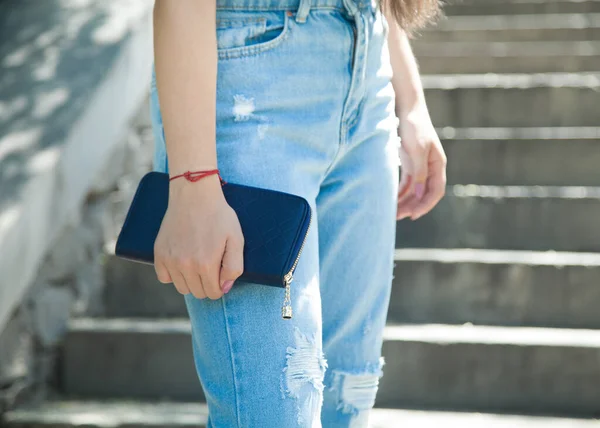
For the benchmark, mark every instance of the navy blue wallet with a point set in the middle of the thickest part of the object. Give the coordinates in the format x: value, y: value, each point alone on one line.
x: 274, y: 224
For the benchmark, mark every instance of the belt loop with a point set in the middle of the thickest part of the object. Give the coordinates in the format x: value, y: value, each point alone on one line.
x: 303, y: 10
x: 374, y: 7
x: 351, y: 7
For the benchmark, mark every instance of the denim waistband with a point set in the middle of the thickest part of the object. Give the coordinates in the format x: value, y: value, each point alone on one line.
x: 295, y: 4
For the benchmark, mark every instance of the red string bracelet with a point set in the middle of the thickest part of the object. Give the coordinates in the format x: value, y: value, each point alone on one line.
x: 197, y: 175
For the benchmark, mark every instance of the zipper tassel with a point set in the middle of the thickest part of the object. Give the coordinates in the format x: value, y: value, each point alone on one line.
x: 286, y: 309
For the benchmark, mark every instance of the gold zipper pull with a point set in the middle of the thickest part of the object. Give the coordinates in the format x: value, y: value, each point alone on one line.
x: 286, y: 310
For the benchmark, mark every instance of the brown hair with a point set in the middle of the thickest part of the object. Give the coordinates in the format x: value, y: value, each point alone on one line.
x: 412, y: 14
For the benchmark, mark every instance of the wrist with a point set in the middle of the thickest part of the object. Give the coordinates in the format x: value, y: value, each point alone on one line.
x: 406, y: 110
x: 208, y: 186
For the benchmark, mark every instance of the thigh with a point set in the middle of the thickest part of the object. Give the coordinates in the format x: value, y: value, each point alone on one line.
x: 276, y: 129
x: 357, y: 225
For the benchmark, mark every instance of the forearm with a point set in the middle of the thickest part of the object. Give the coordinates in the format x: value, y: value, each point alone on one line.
x: 185, y: 57
x: 406, y: 80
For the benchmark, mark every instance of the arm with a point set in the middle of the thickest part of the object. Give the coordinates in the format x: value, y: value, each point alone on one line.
x: 423, y: 160
x: 406, y: 79
x: 185, y: 55
x: 199, y: 246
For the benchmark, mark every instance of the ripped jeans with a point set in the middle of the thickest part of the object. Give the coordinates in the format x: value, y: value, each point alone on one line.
x: 305, y: 105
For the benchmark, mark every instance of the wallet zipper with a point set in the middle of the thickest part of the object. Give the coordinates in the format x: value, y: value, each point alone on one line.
x: 286, y: 310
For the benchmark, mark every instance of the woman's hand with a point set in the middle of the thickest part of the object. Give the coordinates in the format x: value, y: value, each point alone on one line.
x: 423, y: 178
x: 200, y: 243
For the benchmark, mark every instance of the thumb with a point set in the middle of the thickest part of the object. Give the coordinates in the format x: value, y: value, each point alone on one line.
x: 232, y: 265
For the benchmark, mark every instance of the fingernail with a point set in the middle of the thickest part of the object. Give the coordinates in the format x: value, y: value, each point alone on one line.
x: 227, y: 286
x: 419, y: 190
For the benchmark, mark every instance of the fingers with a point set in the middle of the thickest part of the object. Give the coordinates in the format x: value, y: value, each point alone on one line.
x: 199, y: 278
x: 405, y: 209
x: 428, y: 173
x: 417, y: 160
x: 189, y: 277
x: 179, y: 281
x: 194, y: 283
x: 209, y: 275
x: 405, y: 201
x: 162, y: 273
x: 436, y: 188
x: 404, y: 187
x: 421, y: 174
x: 232, y: 265
x: 418, y: 155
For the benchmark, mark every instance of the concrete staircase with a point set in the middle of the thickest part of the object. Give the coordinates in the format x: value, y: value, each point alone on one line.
x: 494, y: 305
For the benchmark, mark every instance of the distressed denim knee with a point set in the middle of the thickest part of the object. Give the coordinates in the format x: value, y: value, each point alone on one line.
x: 353, y: 393
x: 303, y: 376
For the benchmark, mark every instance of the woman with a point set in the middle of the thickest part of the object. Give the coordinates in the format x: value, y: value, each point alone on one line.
x: 308, y: 99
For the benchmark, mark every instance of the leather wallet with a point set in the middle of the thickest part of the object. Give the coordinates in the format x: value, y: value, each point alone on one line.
x: 274, y: 224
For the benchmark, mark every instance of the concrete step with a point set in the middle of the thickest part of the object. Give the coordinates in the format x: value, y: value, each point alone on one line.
x: 508, y: 218
x: 506, y: 369
x: 522, y: 156
x: 512, y: 7
x: 447, y: 367
x: 125, y: 358
x: 509, y: 28
x: 108, y: 414
x: 491, y: 287
x: 431, y: 285
x: 123, y: 414
x: 132, y: 290
x: 507, y: 57
x: 513, y: 100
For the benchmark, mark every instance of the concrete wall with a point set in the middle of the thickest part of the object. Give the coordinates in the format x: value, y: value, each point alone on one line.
x: 72, y: 77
